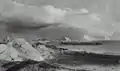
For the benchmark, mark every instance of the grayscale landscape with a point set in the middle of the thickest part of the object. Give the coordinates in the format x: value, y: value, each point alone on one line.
x: 59, y: 35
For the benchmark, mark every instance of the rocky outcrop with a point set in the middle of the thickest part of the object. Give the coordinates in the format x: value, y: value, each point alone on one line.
x: 19, y: 49
x: 26, y: 50
x: 45, y: 52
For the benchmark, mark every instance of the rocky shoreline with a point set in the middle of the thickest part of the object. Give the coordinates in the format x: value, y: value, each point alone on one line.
x: 16, y: 54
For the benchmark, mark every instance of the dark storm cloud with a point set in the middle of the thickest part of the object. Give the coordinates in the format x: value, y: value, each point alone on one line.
x: 19, y: 17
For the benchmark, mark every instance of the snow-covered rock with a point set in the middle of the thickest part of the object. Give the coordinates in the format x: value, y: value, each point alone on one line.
x: 2, y: 48
x: 13, y: 53
x: 5, y: 52
x: 46, y: 53
x: 26, y: 51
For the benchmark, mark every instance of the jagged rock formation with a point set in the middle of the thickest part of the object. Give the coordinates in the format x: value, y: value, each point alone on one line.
x: 26, y: 50
x: 19, y: 49
x: 45, y: 52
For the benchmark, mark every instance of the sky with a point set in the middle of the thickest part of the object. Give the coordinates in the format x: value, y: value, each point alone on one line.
x: 45, y: 12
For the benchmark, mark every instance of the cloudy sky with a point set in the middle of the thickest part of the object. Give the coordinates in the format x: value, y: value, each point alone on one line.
x: 98, y: 22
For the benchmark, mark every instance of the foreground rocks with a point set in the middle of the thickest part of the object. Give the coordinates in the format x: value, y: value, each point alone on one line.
x: 26, y: 50
x: 30, y: 65
x: 19, y: 49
